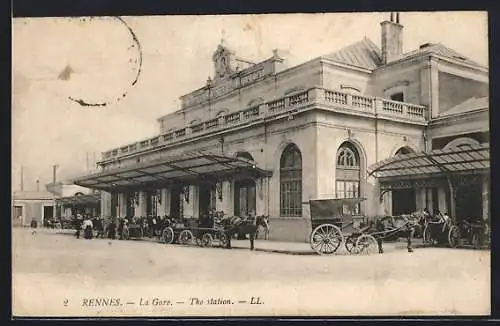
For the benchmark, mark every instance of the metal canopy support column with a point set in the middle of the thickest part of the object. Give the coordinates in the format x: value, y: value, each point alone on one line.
x: 451, y: 187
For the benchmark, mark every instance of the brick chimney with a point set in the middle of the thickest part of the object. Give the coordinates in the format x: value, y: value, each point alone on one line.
x: 392, y: 38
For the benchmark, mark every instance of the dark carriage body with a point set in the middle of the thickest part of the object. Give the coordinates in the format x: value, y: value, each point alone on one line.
x: 335, y: 211
x: 330, y: 220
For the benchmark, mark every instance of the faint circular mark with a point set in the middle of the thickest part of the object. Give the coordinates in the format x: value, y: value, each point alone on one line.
x: 66, y: 73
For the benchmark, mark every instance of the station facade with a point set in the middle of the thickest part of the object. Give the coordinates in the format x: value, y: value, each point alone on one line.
x: 266, y: 138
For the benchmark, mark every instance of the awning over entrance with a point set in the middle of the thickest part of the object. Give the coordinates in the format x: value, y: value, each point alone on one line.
x: 453, y: 161
x: 83, y: 200
x: 186, y: 168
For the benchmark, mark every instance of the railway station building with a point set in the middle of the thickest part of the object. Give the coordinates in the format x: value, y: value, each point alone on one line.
x: 403, y: 130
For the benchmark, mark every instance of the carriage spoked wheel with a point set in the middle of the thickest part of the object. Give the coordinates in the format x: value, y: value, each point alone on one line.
x: 350, y: 244
x: 427, y: 236
x: 207, y: 240
x: 453, y: 236
x: 167, y: 235
x: 186, y: 237
x: 223, y: 240
x: 366, y: 245
x: 326, y: 239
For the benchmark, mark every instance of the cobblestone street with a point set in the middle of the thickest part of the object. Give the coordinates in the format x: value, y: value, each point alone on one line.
x: 53, y: 274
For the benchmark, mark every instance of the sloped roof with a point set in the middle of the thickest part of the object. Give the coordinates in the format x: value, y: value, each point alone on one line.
x: 438, y: 49
x: 33, y: 195
x: 471, y: 104
x: 364, y: 54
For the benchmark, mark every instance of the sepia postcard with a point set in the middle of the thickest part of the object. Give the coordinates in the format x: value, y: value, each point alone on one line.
x: 329, y: 164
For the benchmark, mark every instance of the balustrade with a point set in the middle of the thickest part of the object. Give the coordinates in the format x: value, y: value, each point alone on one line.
x: 364, y: 104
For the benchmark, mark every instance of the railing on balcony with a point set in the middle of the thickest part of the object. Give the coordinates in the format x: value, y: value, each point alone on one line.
x: 392, y: 106
x: 197, y: 128
x: 276, y: 105
x: 331, y: 100
x: 251, y: 113
x: 180, y: 133
x: 212, y: 123
x: 233, y: 117
x: 362, y: 102
x: 336, y: 97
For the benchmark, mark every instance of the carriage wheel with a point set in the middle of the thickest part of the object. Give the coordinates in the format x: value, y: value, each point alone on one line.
x: 427, y: 237
x: 326, y: 239
x: 366, y: 245
x: 207, y: 240
x: 168, y: 235
x: 186, y: 237
x: 453, y: 236
x: 350, y: 244
x: 223, y: 240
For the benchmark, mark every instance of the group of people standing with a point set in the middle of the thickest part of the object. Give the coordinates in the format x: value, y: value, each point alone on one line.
x: 88, y: 224
x: 114, y: 227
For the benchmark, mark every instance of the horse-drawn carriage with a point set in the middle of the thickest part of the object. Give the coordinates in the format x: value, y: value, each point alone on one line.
x: 439, y: 232
x: 204, y: 231
x: 335, y: 222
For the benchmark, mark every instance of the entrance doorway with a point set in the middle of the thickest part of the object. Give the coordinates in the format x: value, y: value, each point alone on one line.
x: 469, y: 202
x: 48, y: 212
x: 244, y: 197
x: 207, y: 198
x: 403, y: 201
x: 175, y: 202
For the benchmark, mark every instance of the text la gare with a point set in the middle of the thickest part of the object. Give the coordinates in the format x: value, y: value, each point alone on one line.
x: 155, y: 302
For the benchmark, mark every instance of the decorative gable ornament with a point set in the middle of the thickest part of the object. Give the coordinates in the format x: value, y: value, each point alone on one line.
x: 224, y: 61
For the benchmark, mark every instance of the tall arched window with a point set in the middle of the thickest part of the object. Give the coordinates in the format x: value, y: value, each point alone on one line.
x: 291, y: 181
x: 348, y: 173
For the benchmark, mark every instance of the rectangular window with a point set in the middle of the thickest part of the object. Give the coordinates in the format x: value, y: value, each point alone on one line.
x: 348, y: 189
x: 291, y: 201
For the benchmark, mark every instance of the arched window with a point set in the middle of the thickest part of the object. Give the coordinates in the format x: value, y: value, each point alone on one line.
x: 348, y: 174
x: 291, y: 182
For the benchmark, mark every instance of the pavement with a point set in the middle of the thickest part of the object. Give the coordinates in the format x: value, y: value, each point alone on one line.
x: 271, y: 246
x: 55, y: 274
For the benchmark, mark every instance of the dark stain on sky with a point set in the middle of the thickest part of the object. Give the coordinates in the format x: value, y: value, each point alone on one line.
x: 66, y: 73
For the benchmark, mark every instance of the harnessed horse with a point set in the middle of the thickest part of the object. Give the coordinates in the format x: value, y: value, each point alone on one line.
x: 403, y: 226
x: 247, y: 226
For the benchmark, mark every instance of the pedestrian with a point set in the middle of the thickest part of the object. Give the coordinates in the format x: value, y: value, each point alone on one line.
x: 88, y: 228
x: 120, y: 228
x: 112, y: 229
x: 99, y: 227
x: 78, y: 225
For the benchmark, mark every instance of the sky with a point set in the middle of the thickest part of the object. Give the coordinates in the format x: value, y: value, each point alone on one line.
x: 96, y: 60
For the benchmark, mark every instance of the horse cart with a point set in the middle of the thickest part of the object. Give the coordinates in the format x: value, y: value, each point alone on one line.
x: 439, y: 233
x: 204, y: 232
x: 331, y: 221
x: 335, y: 223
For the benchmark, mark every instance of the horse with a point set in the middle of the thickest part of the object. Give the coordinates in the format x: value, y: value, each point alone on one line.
x: 401, y: 226
x: 247, y: 226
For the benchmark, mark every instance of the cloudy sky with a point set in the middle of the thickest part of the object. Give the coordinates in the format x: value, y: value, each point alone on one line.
x: 95, y: 60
